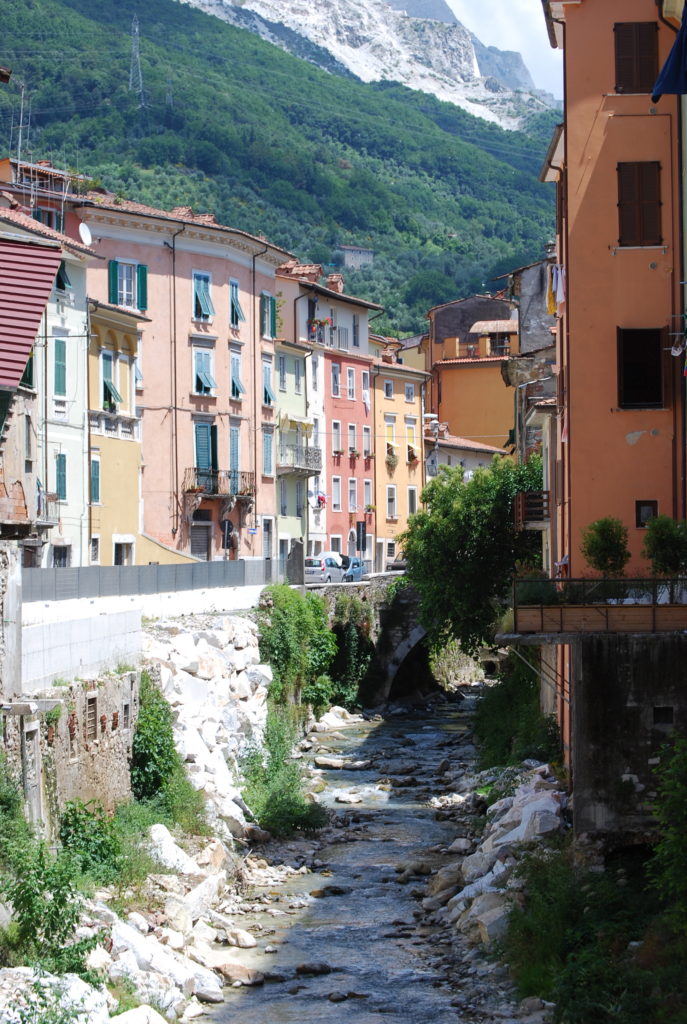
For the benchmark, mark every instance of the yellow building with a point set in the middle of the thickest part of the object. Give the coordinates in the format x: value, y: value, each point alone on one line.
x: 398, y: 402
x: 114, y: 439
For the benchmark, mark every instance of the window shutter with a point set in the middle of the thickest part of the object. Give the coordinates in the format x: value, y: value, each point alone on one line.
x: 113, y: 281
x: 142, y: 286
x: 60, y: 366
x: 636, y: 56
x: 639, y: 203
x: 203, y: 446
x: 234, y: 448
x: 273, y: 317
x: 61, y: 477
x: 95, y: 481
x: 263, y: 317
x: 213, y: 447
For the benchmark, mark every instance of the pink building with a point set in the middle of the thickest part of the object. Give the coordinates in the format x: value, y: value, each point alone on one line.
x: 204, y: 373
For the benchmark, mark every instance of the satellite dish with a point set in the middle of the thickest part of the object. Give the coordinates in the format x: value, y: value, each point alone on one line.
x: 85, y: 233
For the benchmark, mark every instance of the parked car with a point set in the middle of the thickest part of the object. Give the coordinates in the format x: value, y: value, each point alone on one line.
x: 323, y: 569
x: 355, y: 570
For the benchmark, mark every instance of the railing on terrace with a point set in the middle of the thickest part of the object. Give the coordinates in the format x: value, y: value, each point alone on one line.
x: 124, y: 580
x: 532, y: 510
x: 220, y: 481
x: 300, y: 458
x: 599, y: 605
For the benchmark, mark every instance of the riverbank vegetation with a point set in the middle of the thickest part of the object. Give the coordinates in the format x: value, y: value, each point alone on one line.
x: 609, y: 946
x: 462, y: 549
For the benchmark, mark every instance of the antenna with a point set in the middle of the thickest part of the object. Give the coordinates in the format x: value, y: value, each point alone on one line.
x: 135, y: 73
x: 169, y: 92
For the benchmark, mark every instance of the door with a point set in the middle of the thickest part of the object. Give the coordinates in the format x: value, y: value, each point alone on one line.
x: 206, y: 456
x: 234, y: 441
x: 267, y: 538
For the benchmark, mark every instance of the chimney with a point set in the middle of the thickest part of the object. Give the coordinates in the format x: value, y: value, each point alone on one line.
x: 335, y: 283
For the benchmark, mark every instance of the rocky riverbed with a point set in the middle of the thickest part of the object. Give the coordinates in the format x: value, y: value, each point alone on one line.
x: 389, y: 913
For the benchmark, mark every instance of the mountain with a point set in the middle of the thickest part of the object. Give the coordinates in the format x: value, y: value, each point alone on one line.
x: 230, y: 124
x: 379, y: 42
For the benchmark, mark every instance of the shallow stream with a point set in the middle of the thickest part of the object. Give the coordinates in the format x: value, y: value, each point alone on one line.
x: 354, y: 916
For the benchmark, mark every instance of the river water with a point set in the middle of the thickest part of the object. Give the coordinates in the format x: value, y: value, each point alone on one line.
x: 355, y: 915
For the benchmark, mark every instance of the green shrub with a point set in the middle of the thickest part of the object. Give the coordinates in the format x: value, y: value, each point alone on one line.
x: 158, y: 776
x: 508, y: 721
x: 665, y: 545
x: 295, y: 640
x: 319, y: 694
x: 15, y: 832
x: 604, y: 546
x: 90, y: 835
x: 669, y: 865
x: 273, y: 783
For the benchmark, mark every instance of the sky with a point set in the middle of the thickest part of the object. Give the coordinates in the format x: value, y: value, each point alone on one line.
x: 515, y: 25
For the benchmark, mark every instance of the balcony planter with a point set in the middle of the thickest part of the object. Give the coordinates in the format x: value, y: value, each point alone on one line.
x: 369, y: 509
x: 354, y: 454
x: 337, y: 453
x: 391, y: 461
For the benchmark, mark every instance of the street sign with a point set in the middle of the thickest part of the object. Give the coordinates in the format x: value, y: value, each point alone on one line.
x: 252, y: 529
x: 360, y: 535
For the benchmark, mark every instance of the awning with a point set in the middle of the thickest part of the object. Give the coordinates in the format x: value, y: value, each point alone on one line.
x: 494, y: 327
x: 27, y: 273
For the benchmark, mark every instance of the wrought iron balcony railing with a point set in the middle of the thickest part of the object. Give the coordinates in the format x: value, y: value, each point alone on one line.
x: 219, y: 482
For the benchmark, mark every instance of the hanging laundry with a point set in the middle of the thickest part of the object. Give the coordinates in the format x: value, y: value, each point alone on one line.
x: 550, y: 290
x: 560, y: 290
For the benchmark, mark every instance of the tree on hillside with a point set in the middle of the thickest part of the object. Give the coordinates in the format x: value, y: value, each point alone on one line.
x: 462, y: 549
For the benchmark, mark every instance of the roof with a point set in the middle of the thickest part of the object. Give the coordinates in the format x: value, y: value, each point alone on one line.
x: 180, y: 214
x: 494, y: 327
x: 476, y: 360
x: 452, y: 441
x: 27, y: 272
x: 332, y: 294
x: 528, y: 266
x: 130, y: 314
x: 467, y: 298
x: 27, y: 223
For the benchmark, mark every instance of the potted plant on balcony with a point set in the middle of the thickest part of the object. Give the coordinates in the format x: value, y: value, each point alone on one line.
x: 337, y: 453
x: 369, y: 509
x: 391, y: 460
x: 353, y: 453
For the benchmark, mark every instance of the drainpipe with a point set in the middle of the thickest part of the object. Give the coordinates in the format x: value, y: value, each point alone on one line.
x: 175, y: 385
x: 256, y: 382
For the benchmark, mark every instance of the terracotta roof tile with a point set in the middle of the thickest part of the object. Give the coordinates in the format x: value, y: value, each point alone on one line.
x: 27, y: 222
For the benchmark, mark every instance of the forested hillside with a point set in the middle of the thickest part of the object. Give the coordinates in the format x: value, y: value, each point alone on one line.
x: 275, y: 146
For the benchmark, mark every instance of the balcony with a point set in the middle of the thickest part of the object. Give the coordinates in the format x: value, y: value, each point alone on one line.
x: 299, y: 459
x: 532, y: 510
x: 219, y: 482
x: 48, y: 509
x: 560, y: 610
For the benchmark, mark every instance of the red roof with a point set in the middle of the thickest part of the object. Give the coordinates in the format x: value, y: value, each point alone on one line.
x: 28, y: 223
x: 27, y: 272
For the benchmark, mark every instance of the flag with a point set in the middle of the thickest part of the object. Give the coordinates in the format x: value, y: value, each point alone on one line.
x: 672, y: 78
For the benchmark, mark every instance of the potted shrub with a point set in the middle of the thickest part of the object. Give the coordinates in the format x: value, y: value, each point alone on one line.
x: 604, y: 546
x: 391, y: 460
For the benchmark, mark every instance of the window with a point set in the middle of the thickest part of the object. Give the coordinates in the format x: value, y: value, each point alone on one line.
x: 410, y: 392
x: 95, y: 550
x: 300, y: 499
x: 390, y: 432
x: 388, y: 389
x: 60, y: 366
x: 283, y: 498
x: 95, y: 480
x: 91, y: 718
x: 352, y: 494
x: 28, y: 443
x: 267, y: 453
x: 336, y: 494
x: 336, y: 380
x: 639, y: 203
x: 636, y: 56
x: 315, y: 362
x: 298, y: 375
x: 51, y: 218
x: 203, y: 308
x: 412, y: 500
x: 268, y: 315
x: 62, y: 281
x: 644, y: 511
x: 111, y: 395
x: 335, y: 543
x: 336, y: 437
x: 350, y: 375
x: 27, y: 376
x: 410, y: 438
x: 365, y: 386
x: 138, y: 372
x: 204, y: 382
x: 61, y: 556
x: 128, y: 284
x: 61, y: 476
x: 234, y: 454
x: 640, y: 369
x: 391, y: 549
x: 267, y: 392
x: 316, y: 433
x: 236, y: 314
x: 356, y: 331
x: 352, y: 438
x: 367, y: 441
x: 237, y: 388
x: 367, y: 494
x: 281, y: 366
x: 391, y: 501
